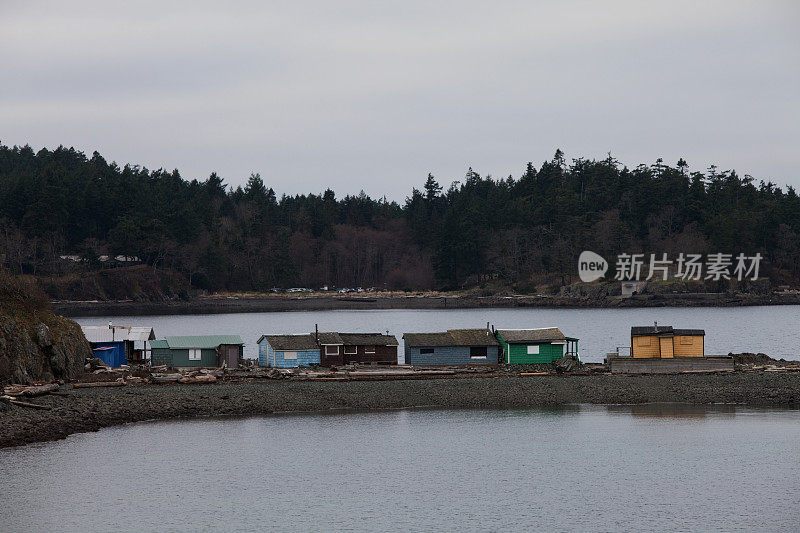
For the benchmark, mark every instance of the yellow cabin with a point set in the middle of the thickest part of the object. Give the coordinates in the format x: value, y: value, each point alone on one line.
x: 666, y: 342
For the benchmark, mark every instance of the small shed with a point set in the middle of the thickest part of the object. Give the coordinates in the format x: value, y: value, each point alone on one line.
x: 195, y: 351
x: 535, y: 346
x: 134, y: 339
x: 111, y: 353
x: 451, y: 347
x: 287, y: 351
x: 666, y: 342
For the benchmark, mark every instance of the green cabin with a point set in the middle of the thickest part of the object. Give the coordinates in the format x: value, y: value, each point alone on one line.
x: 535, y: 346
x: 196, y: 351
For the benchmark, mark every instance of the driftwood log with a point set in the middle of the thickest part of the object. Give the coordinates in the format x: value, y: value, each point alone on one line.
x: 40, y: 390
x: 30, y: 390
x: 99, y: 384
x: 165, y: 378
x: 20, y: 403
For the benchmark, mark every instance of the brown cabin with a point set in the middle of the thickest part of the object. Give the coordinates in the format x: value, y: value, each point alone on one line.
x: 365, y: 348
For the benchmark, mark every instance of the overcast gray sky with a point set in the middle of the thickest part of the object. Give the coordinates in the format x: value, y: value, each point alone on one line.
x: 374, y: 95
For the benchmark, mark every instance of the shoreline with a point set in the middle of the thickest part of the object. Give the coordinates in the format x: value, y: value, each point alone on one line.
x: 91, y: 409
x: 280, y: 303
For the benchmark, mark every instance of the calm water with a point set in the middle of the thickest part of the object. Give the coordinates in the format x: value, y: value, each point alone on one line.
x: 586, y: 468
x: 770, y: 329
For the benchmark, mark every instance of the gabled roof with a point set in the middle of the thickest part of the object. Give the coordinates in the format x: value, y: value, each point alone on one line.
x: 291, y: 342
x: 514, y: 336
x: 201, y: 341
x: 161, y: 343
x: 368, y: 339
x: 119, y: 333
x: 328, y: 337
x: 452, y: 337
x: 641, y: 331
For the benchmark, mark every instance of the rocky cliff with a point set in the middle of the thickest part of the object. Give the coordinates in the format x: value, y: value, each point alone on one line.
x: 36, y: 344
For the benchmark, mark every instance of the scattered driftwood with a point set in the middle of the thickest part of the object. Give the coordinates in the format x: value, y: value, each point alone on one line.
x: 99, y: 384
x: 534, y: 373
x: 56, y: 393
x: 20, y: 403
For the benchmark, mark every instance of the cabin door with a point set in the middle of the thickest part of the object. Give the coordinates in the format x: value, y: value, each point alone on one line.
x: 232, y: 356
x: 666, y: 346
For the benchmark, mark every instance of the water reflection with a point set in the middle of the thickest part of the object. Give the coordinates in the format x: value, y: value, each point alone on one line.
x: 672, y: 410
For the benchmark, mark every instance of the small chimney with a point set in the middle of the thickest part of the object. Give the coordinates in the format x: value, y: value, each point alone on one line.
x: 655, y: 324
x: 316, y: 333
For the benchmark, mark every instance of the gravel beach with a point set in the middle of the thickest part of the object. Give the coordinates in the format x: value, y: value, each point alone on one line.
x: 92, y: 409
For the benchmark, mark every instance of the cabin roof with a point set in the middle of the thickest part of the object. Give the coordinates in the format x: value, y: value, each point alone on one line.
x: 304, y: 341
x: 119, y: 333
x: 514, y: 336
x: 201, y: 341
x: 368, y: 339
x: 452, y: 337
x: 328, y: 337
x: 645, y: 331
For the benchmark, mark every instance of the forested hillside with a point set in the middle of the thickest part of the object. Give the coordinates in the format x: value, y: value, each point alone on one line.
x: 445, y: 235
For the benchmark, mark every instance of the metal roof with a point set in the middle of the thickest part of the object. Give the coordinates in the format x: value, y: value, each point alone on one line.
x: 291, y: 342
x: 202, y: 341
x: 452, y: 337
x: 161, y: 343
x: 513, y: 336
x: 119, y: 333
x: 368, y: 339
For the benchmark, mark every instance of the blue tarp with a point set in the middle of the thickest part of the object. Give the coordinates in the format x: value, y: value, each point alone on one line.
x: 112, y: 353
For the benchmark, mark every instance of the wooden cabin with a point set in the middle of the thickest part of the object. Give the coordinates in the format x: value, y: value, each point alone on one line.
x: 535, y: 346
x: 363, y: 348
x: 666, y: 342
x: 452, y: 347
x: 196, y: 351
x: 287, y: 351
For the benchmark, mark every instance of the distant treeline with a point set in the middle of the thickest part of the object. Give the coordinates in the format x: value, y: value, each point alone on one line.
x: 478, y: 230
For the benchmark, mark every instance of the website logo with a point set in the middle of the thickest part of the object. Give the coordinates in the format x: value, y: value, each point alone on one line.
x: 591, y: 266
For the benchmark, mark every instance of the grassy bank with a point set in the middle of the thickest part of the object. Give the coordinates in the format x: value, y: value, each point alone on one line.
x: 92, y: 409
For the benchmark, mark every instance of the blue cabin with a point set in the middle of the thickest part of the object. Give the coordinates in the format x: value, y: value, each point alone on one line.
x: 287, y: 351
x: 452, y: 347
x: 111, y: 353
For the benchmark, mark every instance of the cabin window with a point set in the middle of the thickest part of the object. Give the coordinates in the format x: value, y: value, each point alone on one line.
x: 195, y: 354
x: 290, y: 355
x: 533, y: 349
x: 426, y: 351
x: 369, y: 349
x: 687, y: 340
x: 331, y: 350
x: 477, y: 352
x: 642, y: 341
x: 351, y: 350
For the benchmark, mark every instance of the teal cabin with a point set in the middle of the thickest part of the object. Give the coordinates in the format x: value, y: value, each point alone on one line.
x: 197, y: 351
x: 535, y: 346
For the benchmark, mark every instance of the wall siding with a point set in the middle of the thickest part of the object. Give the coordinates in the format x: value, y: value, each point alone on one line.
x: 180, y: 359
x: 653, y: 350
x: 448, y: 355
x: 689, y: 350
x: 548, y: 353
x: 274, y: 358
